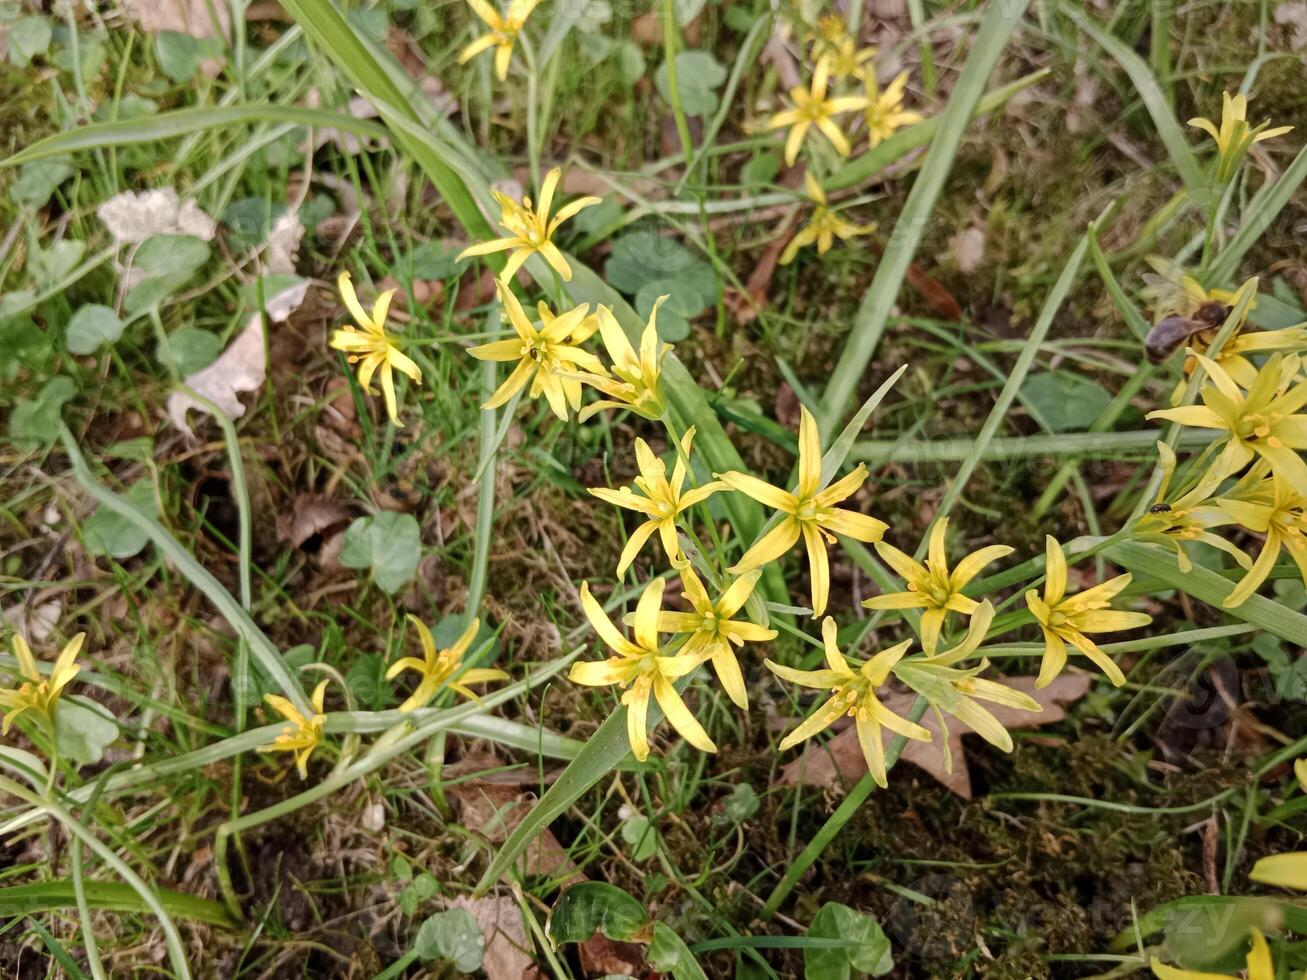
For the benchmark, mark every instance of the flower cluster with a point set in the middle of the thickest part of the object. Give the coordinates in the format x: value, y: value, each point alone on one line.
x: 843, y: 84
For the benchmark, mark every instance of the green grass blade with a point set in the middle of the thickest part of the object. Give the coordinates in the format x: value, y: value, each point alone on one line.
x: 330, y: 30
x: 1137, y: 322
x: 261, y: 647
x: 910, y: 138
x: 109, y: 896
x: 1155, y: 101
x: 997, y: 25
x: 181, y: 123
x: 1209, y: 587
x: 1007, y: 448
x: 1257, y: 217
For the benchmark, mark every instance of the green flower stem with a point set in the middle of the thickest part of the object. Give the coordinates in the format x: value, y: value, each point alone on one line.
x: 670, y: 35
x: 836, y: 821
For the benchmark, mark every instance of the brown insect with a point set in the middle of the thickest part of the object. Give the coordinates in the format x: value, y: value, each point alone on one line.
x: 1173, y: 332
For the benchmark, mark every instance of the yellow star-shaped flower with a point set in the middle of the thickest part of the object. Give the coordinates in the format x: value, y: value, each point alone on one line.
x: 809, y: 512
x: 439, y: 668
x: 530, y: 229
x: 823, y: 227
x: 502, y: 35
x: 371, y: 347
x: 1235, y: 136
x: 812, y: 107
x: 39, y: 693
x: 304, y: 734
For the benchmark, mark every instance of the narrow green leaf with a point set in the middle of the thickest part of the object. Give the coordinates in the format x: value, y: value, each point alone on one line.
x: 996, y: 26
x: 151, y: 129
x: 109, y: 896
x: 1137, y: 322
x: 1155, y: 101
x: 1257, y: 217
x: 1209, y: 587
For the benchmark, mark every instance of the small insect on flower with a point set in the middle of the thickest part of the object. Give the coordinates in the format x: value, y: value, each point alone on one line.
x: 504, y: 29
x: 714, y: 632
x: 1235, y: 135
x: 1258, y: 962
x: 954, y: 691
x: 634, y: 384
x: 547, y: 356
x: 371, y: 347
x: 823, y: 227
x: 812, y: 107
x: 1270, y: 506
x: 661, y: 500
x: 1188, y: 517
x: 932, y: 586
x: 1264, y: 422
x: 885, y: 114
x: 39, y: 693
x: 852, y: 693
x: 642, y: 670
x: 303, y: 734
x: 1066, y: 619
x: 809, y: 513
x: 441, y: 668
x: 530, y: 230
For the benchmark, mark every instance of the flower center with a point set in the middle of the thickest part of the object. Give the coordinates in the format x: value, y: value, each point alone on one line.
x: 1057, y: 618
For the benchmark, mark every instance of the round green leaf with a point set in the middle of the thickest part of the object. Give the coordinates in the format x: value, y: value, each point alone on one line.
x: 91, y: 327
x: 34, y: 422
x: 109, y: 534
x: 453, y: 935
x: 83, y: 729
x: 868, y: 950
x: 165, y: 263
x: 389, y: 544
x: 191, y: 349
x: 594, y: 906
x: 698, y: 75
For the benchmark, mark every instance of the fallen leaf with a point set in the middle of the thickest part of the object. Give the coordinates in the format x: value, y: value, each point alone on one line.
x: 135, y: 216
x: 841, y: 758
x: 310, y: 514
x: 507, y: 954
x: 198, y: 18
x: 241, y: 367
x: 34, y: 623
x: 494, y: 810
x: 601, y: 956
x: 1294, y: 15
x: 283, y: 245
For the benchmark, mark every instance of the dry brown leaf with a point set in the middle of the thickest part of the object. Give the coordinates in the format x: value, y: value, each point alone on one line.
x: 507, y: 955
x: 601, y: 956
x: 283, y: 245
x: 193, y: 17
x: 494, y: 810
x: 310, y: 514
x: 841, y: 757
x: 241, y: 367
x: 1294, y: 15
x: 133, y: 217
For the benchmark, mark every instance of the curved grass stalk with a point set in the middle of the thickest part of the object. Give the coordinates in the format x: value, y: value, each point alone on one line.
x: 261, y: 647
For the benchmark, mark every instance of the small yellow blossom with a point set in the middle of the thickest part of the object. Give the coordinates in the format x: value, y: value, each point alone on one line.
x: 1235, y: 136
x: 1066, y: 619
x: 809, y: 513
x: 530, y: 229
x: 839, y: 48
x: 371, y: 347
x: 642, y: 669
x: 932, y: 586
x: 547, y: 356
x: 813, y: 108
x: 39, y: 693
x: 439, y: 668
x: 1271, y: 507
x: 884, y: 110
x: 634, y: 384
x: 302, y: 735
x: 1282, y: 870
x: 1188, y: 517
x: 823, y: 227
x: 502, y: 35
x: 853, y: 693
x: 661, y: 500
x: 1258, y: 962
x: 1264, y: 421
x: 713, y: 631
x: 957, y: 692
